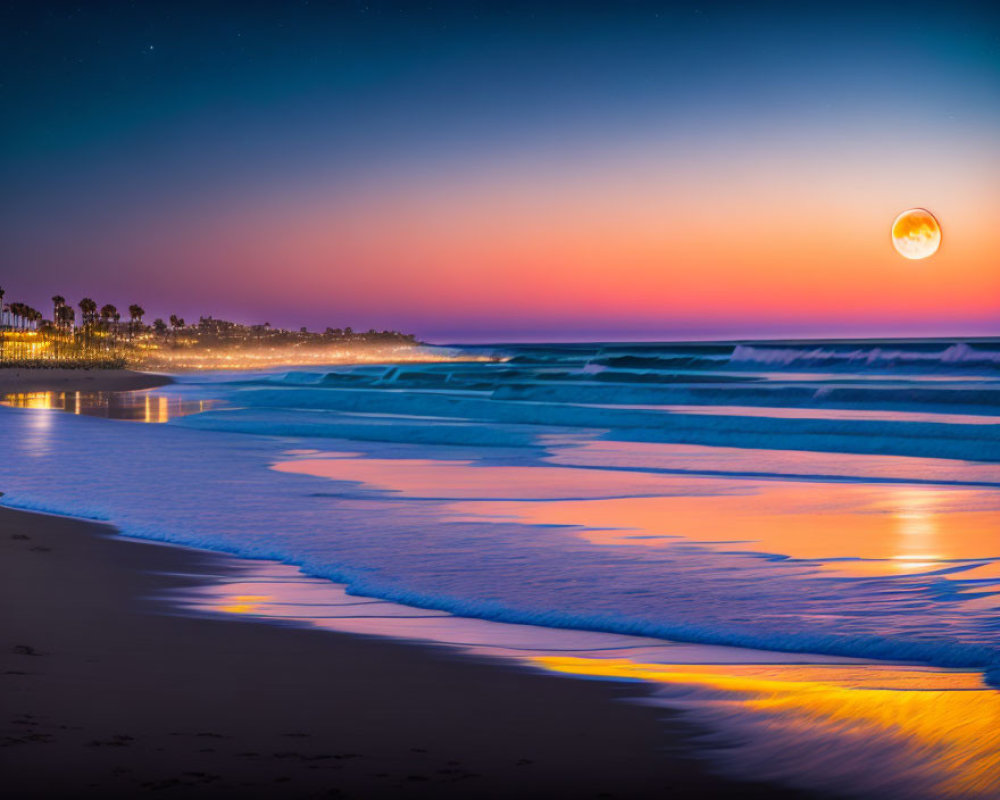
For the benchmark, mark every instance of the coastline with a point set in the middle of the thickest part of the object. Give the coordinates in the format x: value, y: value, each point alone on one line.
x: 15, y: 380
x: 126, y: 695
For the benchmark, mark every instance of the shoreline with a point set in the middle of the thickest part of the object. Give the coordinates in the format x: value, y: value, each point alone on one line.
x: 14, y: 380
x: 127, y: 695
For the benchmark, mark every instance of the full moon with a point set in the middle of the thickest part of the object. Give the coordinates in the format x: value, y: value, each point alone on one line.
x: 916, y: 234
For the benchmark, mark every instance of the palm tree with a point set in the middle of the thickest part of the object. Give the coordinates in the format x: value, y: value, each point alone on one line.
x: 88, y: 308
x: 58, y: 301
x: 107, y: 313
x: 136, y: 313
x: 65, y: 317
x: 176, y: 323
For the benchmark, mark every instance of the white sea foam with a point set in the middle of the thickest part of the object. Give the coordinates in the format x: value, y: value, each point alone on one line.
x: 959, y: 353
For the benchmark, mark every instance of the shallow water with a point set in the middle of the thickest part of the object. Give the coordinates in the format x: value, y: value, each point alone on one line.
x: 613, y: 511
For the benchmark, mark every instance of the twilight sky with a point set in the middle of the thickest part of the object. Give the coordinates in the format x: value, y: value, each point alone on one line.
x: 540, y: 171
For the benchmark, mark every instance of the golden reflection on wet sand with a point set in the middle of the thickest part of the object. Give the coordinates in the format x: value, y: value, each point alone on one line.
x: 138, y: 406
x: 947, y: 723
x: 916, y: 731
x: 244, y: 604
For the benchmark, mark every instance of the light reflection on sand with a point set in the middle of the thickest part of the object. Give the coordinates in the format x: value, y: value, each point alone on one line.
x: 455, y: 479
x: 37, y: 441
x: 851, y: 529
x: 820, y: 722
x: 855, y: 529
x: 905, y: 731
x: 138, y: 406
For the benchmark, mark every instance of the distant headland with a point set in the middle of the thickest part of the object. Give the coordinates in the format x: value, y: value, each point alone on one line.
x: 102, y: 337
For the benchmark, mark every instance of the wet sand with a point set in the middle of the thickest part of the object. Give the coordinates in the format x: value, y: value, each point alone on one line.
x: 13, y: 379
x: 107, y: 691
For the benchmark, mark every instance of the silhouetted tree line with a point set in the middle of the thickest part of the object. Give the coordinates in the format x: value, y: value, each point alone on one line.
x: 101, y: 331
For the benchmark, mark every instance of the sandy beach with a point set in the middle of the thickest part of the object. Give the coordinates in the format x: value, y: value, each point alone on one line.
x: 107, y: 692
x: 120, y: 679
x: 13, y: 380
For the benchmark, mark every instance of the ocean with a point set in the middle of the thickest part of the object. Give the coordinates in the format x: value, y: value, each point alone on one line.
x: 796, y: 543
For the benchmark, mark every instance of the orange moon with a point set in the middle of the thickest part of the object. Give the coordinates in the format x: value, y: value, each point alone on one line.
x: 916, y: 234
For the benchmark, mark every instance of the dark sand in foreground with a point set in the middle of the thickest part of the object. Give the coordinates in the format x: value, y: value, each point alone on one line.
x: 106, y: 692
x: 13, y: 380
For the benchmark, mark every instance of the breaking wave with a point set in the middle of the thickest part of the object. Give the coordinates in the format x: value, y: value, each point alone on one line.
x: 958, y: 354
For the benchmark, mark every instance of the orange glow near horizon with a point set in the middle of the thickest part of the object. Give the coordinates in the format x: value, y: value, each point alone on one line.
x: 647, y: 238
